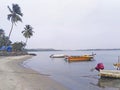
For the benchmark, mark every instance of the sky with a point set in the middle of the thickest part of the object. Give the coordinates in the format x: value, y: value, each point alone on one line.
x: 66, y: 24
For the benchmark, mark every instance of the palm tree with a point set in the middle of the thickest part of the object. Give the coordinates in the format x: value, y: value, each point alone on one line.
x: 28, y: 32
x: 14, y: 16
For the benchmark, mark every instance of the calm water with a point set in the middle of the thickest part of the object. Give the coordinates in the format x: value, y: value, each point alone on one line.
x: 76, y: 75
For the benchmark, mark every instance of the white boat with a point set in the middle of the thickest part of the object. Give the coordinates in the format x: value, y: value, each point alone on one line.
x: 109, y: 73
x: 58, y: 56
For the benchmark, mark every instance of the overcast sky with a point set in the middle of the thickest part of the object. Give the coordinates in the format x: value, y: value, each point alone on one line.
x: 66, y: 24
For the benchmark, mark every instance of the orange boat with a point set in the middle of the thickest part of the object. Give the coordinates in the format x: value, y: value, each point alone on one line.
x: 80, y: 58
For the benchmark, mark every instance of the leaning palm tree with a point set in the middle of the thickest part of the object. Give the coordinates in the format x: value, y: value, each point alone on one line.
x: 28, y: 32
x: 14, y: 16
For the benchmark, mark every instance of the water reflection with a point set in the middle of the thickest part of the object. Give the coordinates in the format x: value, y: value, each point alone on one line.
x: 107, y: 82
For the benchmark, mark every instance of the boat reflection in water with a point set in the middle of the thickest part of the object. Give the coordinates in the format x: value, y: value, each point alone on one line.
x: 108, y: 82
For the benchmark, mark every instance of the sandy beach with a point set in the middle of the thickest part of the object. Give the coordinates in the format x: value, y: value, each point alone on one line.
x: 13, y: 76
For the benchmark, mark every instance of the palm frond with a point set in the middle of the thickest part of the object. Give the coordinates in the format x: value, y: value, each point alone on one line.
x: 18, y: 18
x: 17, y: 9
x: 15, y: 14
x: 15, y: 18
x: 27, y: 33
x: 9, y: 16
x: 10, y: 9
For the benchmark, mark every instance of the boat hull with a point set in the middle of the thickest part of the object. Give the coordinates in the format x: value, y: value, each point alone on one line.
x: 79, y: 58
x: 109, y: 74
x: 57, y: 56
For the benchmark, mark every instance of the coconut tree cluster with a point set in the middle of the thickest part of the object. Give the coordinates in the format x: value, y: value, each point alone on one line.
x: 15, y: 16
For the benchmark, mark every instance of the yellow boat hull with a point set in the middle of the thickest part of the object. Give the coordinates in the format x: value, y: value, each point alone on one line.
x: 80, y: 58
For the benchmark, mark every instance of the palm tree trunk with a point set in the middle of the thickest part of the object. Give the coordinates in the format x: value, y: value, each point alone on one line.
x: 10, y: 31
x: 26, y: 41
x: 9, y: 36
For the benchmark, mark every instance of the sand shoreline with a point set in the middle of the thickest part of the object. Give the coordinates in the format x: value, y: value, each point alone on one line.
x: 15, y: 77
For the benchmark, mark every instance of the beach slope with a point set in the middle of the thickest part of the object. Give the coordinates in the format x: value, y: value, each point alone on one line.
x: 15, y: 77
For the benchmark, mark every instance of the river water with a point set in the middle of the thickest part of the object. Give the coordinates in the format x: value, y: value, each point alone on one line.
x: 76, y: 75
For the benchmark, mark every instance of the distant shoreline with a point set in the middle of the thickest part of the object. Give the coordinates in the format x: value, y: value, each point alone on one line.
x: 31, y: 50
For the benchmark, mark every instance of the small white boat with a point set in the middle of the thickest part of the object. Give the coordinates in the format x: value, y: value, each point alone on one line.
x: 58, y: 56
x: 109, y: 73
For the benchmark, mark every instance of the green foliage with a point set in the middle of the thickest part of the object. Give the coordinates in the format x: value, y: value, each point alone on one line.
x: 17, y: 9
x: 18, y: 46
x: 4, y: 40
x: 14, y: 16
x: 15, y: 13
x: 2, y: 33
x: 28, y: 32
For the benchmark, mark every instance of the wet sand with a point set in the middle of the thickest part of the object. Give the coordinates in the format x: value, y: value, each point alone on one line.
x: 15, y: 77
